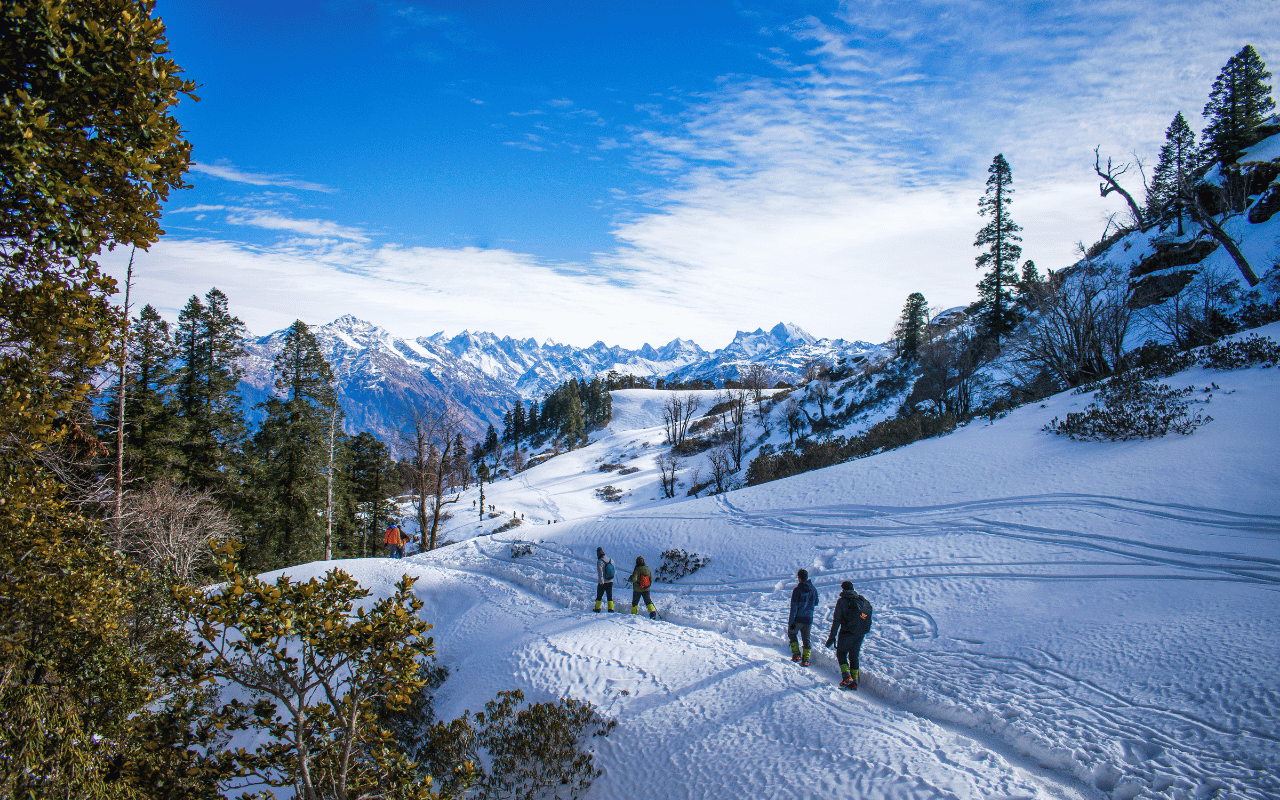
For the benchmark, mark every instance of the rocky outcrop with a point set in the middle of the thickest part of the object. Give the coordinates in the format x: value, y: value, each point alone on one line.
x: 1180, y: 254
x: 1158, y: 288
x: 1267, y: 205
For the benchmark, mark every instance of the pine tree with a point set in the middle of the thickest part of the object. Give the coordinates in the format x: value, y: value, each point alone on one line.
x: 491, y: 440
x: 572, y: 427
x: 1179, y: 159
x: 292, y: 452
x: 210, y: 344
x: 518, y: 420
x: 1238, y: 104
x: 910, y: 330
x: 1000, y: 236
x: 153, y: 429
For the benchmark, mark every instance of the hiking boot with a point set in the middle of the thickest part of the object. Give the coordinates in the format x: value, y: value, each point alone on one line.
x: 795, y: 657
x: 804, y: 662
x: 845, y: 681
x: 653, y: 615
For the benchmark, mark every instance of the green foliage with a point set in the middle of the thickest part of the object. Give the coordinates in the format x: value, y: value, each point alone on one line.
x: 910, y: 330
x: 1129, y: 407
x: 1238, y: 105
x: 323, y: 669
x: 532, y: 753
x: 209, y: 340
x: 88, y: 153
x: 292, y: 452
x: 1253, y: 351
x: 1174, y: 173
x: 520, y: 549
x: 1000, y: 237
x: 153, y: 430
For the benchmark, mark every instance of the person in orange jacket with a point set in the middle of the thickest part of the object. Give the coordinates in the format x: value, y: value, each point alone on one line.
x: 394, y: 540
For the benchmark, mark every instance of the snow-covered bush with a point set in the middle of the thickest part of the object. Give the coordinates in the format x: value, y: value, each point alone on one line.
x: 609, y: 494
x: 678, y: 563
x: 519, y: 548
x: 1129, y: 407
x: 1253, y: 351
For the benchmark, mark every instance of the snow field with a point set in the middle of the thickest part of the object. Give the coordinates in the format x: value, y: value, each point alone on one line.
x: 1053, y: 618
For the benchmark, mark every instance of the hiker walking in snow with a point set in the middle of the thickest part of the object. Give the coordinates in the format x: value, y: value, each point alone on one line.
x: 850, y: 623
x: 393, y: 541
x: 641, y: 579
x: 604, y: 578
x: 804, y: 599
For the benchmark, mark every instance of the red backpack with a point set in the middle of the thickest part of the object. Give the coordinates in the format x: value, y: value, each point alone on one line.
x: 644, y: 582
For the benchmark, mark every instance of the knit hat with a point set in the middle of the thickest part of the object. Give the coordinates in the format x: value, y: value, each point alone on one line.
x: 803, y: 574
x: 847, y: 585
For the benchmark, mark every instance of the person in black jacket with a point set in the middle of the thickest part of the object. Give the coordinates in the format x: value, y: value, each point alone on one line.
x: 850, y: 623
x: 804, y: 599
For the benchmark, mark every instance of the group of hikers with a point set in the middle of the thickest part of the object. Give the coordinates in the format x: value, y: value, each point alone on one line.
x: 641, y: 580
x: 849, y: 624
x: 850, y: 621
x: 396, y: 541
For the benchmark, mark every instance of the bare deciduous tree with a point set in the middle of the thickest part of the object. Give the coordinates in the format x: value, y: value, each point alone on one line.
x: 1194, y: 316
x: 734, y: 423
x: 721, y: 461
x: 794, y: 418
x: 757, y: 378
x: 820, y: 388
x: 173, y: 529
x: 1231, y: 199
x: 427, y: 436
x: 668, y: 466
x: 677, y: 414
x: 1111, y: 183
x: 1079, y: 335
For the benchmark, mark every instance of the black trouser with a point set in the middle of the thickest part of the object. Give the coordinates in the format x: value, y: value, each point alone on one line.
x: 603, y: 590
x: 847, y: 647
x: 802, y: 626
x: 636, y: 594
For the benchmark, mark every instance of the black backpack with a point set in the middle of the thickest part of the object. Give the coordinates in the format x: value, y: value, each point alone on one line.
x: 863, y: 608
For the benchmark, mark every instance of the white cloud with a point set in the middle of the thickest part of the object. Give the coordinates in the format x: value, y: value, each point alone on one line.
x: 309, y: 227
x: 230, y: 172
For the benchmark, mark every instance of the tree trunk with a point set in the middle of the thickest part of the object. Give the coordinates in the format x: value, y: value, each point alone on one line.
x: 124, y: 360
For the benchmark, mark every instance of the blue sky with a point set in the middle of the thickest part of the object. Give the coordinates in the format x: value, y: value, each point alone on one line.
x: 636, y: 172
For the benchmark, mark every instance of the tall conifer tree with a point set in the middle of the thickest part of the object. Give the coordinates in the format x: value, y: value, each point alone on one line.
x: 210, y: 344
x: 292, y: 452
x: 1179, y: 159
x: 910, y: 332
x: 153, y: 428
x: 1238, y: 104
x: 1000, y: 238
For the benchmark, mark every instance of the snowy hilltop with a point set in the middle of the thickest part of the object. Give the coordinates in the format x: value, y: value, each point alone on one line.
x: 483, y: 374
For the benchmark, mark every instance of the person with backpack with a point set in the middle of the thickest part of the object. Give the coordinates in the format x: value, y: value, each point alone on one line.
x: 604, y: 578
x: 393, y: 541
x: 804, y: 599
x: 641, y: 579
x: 851, y: 622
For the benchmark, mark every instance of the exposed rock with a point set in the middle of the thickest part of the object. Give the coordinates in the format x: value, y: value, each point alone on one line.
x: 1158, y: 288
x: 1176, y: 255
x: 1267, y: 205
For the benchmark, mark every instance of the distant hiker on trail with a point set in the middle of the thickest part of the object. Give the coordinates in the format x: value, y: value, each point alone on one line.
x: 804, y: 599
x: 394, y: 541
x: 604, y: 578
x: 641, y: 579
x: 851, y: 622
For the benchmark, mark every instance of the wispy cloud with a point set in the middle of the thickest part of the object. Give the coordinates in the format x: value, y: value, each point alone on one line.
x: 308, y: 227
x: 273, y: 220
x: 229, y: 172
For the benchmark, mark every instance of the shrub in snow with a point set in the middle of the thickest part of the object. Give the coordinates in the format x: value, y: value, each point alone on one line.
x: 677, y: 563
x: 1128, y: 407
x: 514, y: 522
x: 519, y: 548
x: 610, y: 494
x: 1251, y: 352
x: 609, y: 467
x: 628, y: 470
x: 525, y: 753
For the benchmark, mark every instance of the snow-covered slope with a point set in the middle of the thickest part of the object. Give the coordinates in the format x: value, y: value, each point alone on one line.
x: 1054, y: 619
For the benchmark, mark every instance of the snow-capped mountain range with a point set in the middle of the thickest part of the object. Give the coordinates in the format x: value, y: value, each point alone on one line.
x: 485, y: 374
